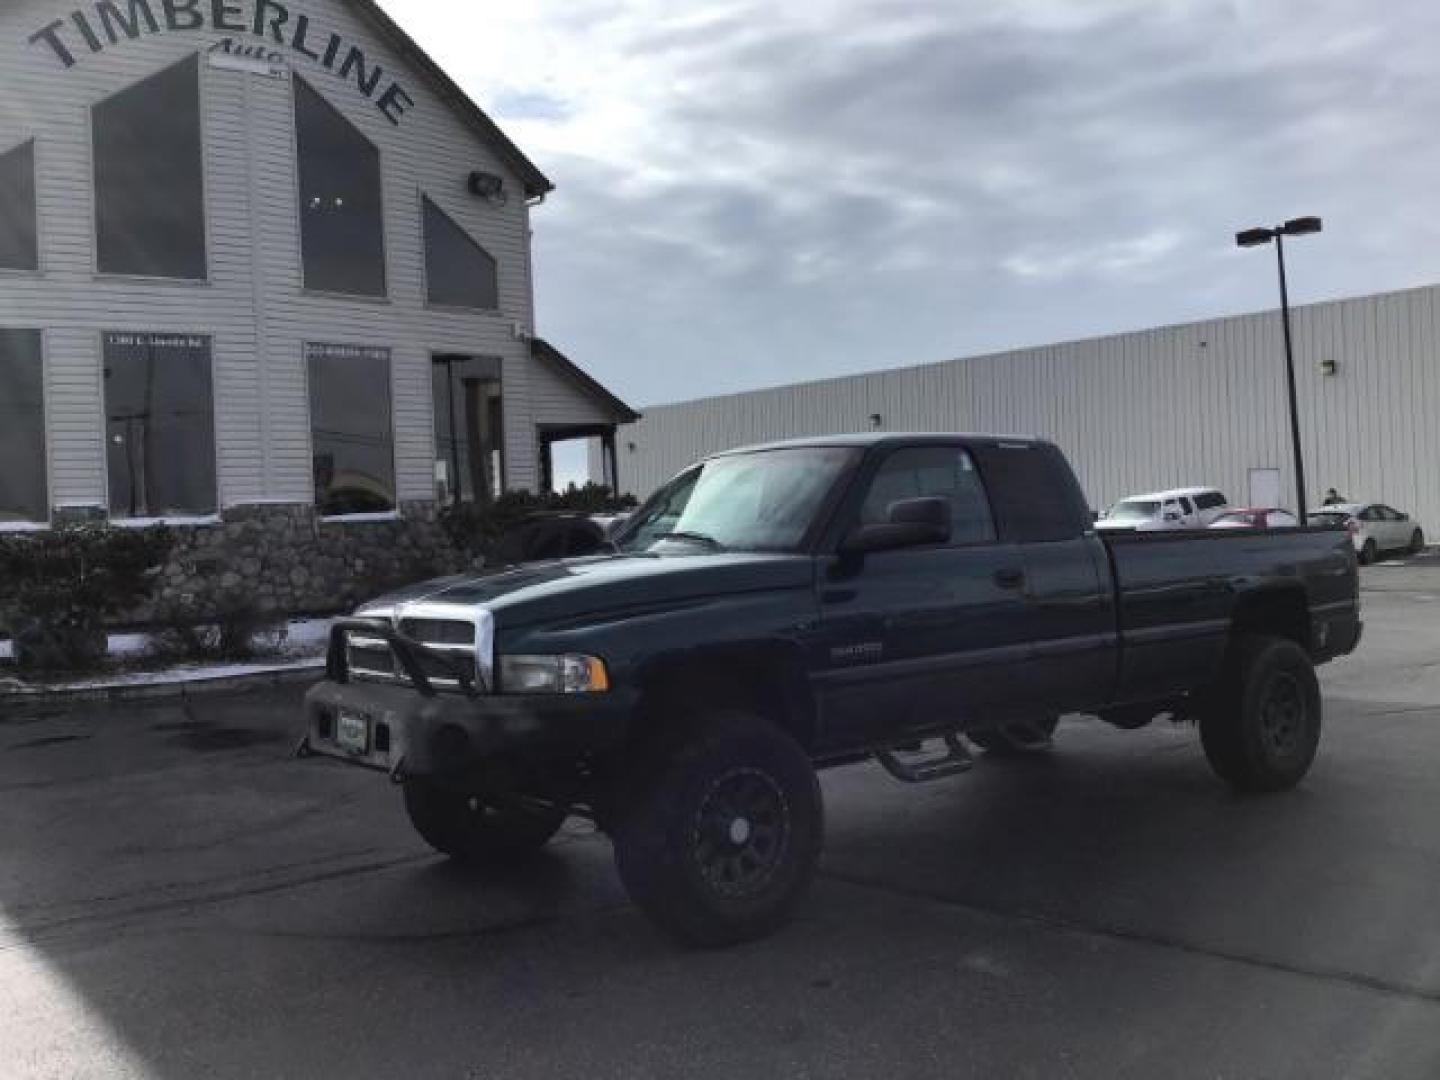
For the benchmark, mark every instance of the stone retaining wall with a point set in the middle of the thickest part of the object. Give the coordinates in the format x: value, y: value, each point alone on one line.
x: 287, y: 560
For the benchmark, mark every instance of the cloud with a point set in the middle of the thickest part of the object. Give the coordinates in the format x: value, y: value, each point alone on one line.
x: 752, y: 193
x: 1118, y: 258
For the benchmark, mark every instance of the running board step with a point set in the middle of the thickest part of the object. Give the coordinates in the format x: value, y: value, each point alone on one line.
x: 953, y: 762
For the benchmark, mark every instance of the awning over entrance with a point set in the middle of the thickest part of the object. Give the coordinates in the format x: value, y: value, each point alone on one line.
x: 570, y: 404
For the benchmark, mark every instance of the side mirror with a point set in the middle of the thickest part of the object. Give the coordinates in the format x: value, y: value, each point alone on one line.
x: 1172, y: 515
x: 911, y: 523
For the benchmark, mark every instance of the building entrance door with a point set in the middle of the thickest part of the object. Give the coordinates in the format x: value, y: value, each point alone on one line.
x: 469, y: 429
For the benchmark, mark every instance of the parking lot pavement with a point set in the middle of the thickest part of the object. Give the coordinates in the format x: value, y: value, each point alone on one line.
x: 178, y: 899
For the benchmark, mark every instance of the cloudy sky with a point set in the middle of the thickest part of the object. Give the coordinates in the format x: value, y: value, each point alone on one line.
x: 753, y: 192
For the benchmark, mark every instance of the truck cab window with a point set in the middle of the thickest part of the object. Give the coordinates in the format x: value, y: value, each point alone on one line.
x: 767, y: 500
x: 942, y: 472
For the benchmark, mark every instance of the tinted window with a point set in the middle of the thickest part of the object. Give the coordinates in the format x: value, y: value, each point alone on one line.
x: 149, y: 195
x: 1371, y: 513
x: 1185, y: 506
x: 351, y: 431
x: 159, y: 425
x: 942, y: 472
x: 18, y: 247
x: 23, y: 495
x: 341, y: 234
x: 458, y: 271
x: 1209, y: 500
x: 1033, y: 492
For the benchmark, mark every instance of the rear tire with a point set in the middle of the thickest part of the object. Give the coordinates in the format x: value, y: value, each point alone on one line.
x: 1261, y: 727
x: 1368, y: 553
x: 1016, y: 738
x: 1417, y: 542
x: 473, y: 831
x: 721, y: 841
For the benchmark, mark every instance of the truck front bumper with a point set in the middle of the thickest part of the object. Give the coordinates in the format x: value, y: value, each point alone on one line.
x: 399, y: 731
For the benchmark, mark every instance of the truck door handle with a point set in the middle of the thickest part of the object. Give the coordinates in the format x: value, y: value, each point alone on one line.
x: 1010, y: 577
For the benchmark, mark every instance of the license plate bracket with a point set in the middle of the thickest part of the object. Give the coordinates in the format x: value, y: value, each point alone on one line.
x: 352, y: 732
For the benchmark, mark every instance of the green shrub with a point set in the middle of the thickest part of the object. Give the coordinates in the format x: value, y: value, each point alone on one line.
x: 59, y: 588
x: 232, y: 627
x: 476, y: 528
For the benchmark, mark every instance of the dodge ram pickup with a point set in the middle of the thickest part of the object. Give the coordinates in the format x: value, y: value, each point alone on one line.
x: 780, y: 609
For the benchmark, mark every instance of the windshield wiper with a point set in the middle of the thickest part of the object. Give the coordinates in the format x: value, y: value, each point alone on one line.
x: 696, y: 537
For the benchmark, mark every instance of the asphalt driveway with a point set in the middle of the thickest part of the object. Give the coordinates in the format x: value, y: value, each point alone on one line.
x: 179, y: 899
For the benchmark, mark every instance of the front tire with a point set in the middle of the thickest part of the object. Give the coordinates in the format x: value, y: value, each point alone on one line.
x: 1417, y: 542
x: 476, y: 832
x: 1261, y: 728
x: 1369, y: 552
x: 721, y: 842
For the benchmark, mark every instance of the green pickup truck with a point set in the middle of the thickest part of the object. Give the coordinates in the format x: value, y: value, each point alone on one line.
x: 785, y: 608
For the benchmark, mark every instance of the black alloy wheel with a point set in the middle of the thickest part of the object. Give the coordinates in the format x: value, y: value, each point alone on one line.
x: 719, y: 839
x: 1260, y: 725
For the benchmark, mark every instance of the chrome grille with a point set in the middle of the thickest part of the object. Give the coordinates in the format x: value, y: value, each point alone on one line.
x: 372, y: 658
x: 439, y: 631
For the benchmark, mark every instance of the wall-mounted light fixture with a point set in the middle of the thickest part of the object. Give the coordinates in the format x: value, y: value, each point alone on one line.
x: 487, y: 186
x: 876, y: 421
x: 1329, y: 367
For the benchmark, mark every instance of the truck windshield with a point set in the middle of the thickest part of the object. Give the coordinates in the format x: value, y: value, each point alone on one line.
x: 1134, y: 510
x: 762, y: 501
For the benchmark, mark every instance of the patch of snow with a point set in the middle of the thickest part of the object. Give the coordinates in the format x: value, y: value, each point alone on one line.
x: 128, y: 644
x: 360, y: 519
x: 309, y: 632
x: 302, y: 636
x: 190, y: 673
x: 156, y: 522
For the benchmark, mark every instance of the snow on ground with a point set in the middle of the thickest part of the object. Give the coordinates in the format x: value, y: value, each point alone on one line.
x: 303, y: 647
x: 184, y: 673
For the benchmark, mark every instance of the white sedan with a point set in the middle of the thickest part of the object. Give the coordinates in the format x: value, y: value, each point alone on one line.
x: 1374, y: 528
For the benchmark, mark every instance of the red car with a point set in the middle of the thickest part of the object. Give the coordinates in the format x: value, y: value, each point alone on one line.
x: 1256, y: 518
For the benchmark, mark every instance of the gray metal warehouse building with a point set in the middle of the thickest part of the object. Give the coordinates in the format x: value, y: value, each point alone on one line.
x: 1202, y: 403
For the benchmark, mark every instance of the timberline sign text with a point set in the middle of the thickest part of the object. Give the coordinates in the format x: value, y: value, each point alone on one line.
x: 109, y: 22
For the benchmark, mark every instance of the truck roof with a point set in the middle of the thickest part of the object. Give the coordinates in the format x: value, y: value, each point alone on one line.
x: 870, y: 439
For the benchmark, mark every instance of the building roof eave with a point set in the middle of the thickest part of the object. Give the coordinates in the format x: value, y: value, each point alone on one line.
x: 558, y: 361
x: 536, y: 183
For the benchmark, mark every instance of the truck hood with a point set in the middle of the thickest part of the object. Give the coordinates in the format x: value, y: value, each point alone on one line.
x: 563, y: 590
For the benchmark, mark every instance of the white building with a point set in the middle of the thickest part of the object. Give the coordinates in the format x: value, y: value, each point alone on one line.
x: 1202, y: 403
x: 261, y: 253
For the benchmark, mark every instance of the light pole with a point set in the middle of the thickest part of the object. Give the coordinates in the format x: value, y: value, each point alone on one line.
x: 1255, y: 238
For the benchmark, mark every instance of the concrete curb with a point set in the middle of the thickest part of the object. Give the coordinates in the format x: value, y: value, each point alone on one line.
x: 29, y: 703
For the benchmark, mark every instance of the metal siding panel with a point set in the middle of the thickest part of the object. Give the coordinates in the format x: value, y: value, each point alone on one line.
x: 1145, y: 410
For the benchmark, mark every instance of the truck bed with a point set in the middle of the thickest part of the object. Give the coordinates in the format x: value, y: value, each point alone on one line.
x: 1179, y: 593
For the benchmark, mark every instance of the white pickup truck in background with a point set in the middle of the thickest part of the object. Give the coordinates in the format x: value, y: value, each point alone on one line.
x: 1180, y: 508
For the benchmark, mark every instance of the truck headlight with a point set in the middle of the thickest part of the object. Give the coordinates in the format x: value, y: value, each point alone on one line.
x: 553, y: 675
